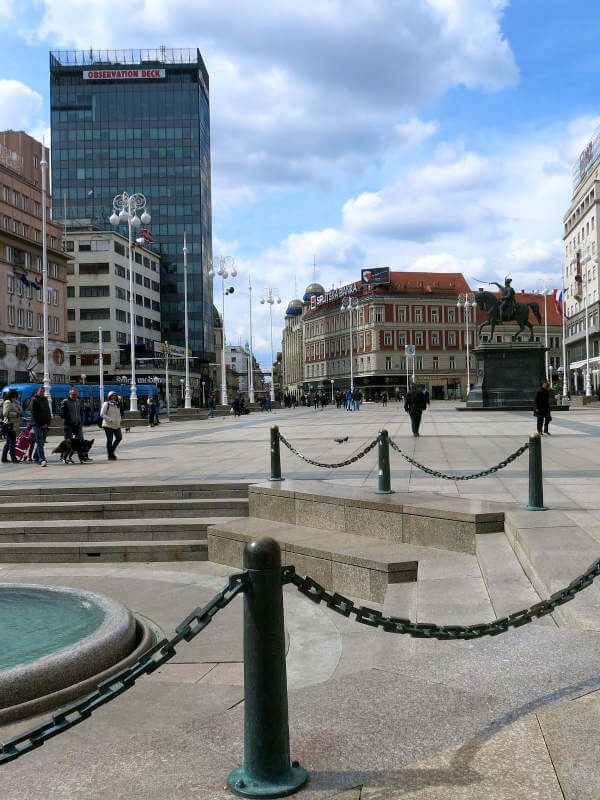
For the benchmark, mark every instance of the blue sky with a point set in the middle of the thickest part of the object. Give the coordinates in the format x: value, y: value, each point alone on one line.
x: 436, y: 134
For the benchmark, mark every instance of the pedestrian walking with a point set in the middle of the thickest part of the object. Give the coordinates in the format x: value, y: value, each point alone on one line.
x: 72, y: 414
x: 152, y: 412
x: 211, y: 406
x: 111, y: 423
x: 414, y: 405
x: 542, y: 408
x: 427, y: 398
x: 41, y: 417
x: 12, y: 415
x: 357, y: 399
x: 384, y: 399
x: 349, y: 400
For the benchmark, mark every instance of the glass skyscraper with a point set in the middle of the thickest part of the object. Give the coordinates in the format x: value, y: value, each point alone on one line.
x: 138, y: 121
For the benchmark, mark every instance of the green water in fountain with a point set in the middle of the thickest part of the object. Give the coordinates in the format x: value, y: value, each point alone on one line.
x: 37, y: 622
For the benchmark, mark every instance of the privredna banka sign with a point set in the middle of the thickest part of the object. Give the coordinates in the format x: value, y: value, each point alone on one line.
x: 121, y: 74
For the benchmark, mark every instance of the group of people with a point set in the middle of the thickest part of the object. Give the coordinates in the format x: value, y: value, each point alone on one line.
x: 72, y: 413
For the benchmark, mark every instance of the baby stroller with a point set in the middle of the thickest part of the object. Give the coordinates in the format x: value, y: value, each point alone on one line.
x: 25, y: 444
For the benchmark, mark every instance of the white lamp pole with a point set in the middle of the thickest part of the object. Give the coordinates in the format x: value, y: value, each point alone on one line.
x: 250, y: 355
x: 188, y: 394
x: 350, y: 304
x: 564, y: 343
x: 226, y: 268
x: 101, y: 365
x: 125, y: 208
x: 44, y: 165
x: 466, y: 300
x: 332, y: 397
x: 588, y: 377
x: 271, y: 296
x: 167, y: 350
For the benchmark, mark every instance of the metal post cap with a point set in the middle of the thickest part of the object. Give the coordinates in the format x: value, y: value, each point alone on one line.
x: 263, y: 553
x: 534, y: 435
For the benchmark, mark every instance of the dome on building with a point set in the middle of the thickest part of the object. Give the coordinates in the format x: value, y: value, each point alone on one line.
x: 313, y: 288
x: 294, y: 307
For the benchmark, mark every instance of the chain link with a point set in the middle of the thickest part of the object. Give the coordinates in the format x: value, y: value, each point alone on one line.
x: 438, y: 474
x: 429, y: 630
x: 345, y: 463
x: 108, y: 690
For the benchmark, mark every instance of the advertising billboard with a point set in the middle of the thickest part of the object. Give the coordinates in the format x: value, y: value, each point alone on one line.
x: 375, y: 275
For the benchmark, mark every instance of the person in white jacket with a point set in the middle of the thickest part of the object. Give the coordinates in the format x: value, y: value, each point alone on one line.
x: 111, y: 422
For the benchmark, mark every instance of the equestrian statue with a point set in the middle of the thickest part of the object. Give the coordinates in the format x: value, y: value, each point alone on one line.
x: 507, y: 309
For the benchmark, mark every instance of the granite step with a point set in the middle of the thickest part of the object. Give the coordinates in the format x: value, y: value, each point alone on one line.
x: 162, y: 491
x: 553, y: 550
x: 124, y: 509
x: 138, y: 529
x: 62, y: 552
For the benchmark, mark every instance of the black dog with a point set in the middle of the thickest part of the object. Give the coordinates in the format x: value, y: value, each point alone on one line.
x: 68, y: 447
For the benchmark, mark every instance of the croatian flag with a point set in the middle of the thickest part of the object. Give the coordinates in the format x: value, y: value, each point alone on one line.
x: 90, y: 193
x: 558, y: 303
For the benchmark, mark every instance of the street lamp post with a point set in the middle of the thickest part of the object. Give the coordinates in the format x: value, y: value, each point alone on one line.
x: 351, y: 304
x: 271, y: 296
x: 466, y: 300
x: 250, y: 354
x: 188, y: 394
x: 100, y: 365
x: 125, y: 209
x: 564, y: 343
x: 226, y: 268
x: 44, y: 166
x: 332, y: 397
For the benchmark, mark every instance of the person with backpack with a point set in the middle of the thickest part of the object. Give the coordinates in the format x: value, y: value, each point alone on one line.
x: 415, y: 403
x: 12, y: 415
x: 41, y: 416
x: 72, y: 414
x: 111, y: 423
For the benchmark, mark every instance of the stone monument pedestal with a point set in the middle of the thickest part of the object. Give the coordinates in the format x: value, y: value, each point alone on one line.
x: 508, y: 376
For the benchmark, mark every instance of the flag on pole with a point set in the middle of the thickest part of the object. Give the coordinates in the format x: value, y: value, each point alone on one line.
x: 90, y: 193
x: 558, y: 303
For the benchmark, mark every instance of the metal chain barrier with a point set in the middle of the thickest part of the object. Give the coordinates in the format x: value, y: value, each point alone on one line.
x: 108, y: 690
x: 429, y: 630
x: 438, y: 474
x: 345, y: 463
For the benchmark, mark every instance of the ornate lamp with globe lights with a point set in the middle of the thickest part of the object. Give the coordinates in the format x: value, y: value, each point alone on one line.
x: 271, y: 296
x: 225, y: 270
x: 126, y: 208
x: 466, y: 300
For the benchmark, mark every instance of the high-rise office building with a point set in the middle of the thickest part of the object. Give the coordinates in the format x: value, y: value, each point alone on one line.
x: 138, y: 121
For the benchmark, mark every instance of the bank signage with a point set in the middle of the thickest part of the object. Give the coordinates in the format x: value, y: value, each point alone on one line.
x: 334, y: 294
x: 121, y: 74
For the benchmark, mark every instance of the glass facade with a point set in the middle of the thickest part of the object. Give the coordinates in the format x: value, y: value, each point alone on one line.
x: 139, y: 121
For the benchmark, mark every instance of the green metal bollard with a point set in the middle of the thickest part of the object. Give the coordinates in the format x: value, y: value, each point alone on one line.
x: 267, y: 770
x: 275, y: 456
x: 536, y: 485
x: 384, y: 480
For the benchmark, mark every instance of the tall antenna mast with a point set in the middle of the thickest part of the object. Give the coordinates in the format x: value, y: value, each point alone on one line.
x: 314, y: 269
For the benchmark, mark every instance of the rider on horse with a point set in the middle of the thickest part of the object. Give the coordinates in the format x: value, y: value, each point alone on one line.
x: 508, y: 305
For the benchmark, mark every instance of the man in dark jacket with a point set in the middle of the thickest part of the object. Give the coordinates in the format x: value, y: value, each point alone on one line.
x: 41, y: 418
x: 414, y: 404
x: 542, y: 408
x: 71, y: 412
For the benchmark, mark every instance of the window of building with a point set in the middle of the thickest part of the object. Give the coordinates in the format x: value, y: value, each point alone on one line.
x: 153, y: 266
x: 70, y: 313
x: 401, y: 338
x: 435, y: 338
x: 418, y: 314
x: 155, y: 306
x: 147, y: 302
x: 53, y: 242
x: 451, y: 338
x: 452, y: 362
x: 120, y: 294
x: 451, y: 315
x: 138, y: 279
x: 378, y: 313
x: 72, y: 337
x: 119, y: 249
x: 70, y: 291
x: 121, y: 337
x: 10, y: 315
x: 139, y: 321
x: 401, y: 313
x: 418, y: 338
x: 419, y: 362
x: 146, y: 262
x: 99, y: 245
x: 10, y: 284
x: 69, y: 246
x: 121, y: 316
x: 94, y: 291
x: 434, y: 315
x: 436, y: 362
x: 146, y: 283
x: 40, y: 321
x: 38, y: 264
x: 121, y: 272
x: 155, y: 286
x: 148, y: 323
x: 15, y: 226
x: 139, y: 300
x: 29, y: 320
x: 94, y: 313
x: 388, y: 363
x: 20, y: 318
x: 138, y: 258
x: 387, y: 338
x: 5, y: 222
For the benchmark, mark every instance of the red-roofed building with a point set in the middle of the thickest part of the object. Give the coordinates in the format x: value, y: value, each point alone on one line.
x: 415, y: 308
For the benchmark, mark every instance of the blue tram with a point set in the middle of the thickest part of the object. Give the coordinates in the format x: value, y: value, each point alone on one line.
x: 88, y: 392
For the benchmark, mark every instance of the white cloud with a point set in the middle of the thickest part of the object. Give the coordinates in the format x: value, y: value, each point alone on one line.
x: 303, y: 90
x: 20, y: 106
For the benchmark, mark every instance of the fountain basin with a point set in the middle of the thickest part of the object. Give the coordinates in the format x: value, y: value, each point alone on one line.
x: 57, y: 643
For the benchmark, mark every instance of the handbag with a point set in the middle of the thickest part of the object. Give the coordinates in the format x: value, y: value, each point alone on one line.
x: 7, y: 427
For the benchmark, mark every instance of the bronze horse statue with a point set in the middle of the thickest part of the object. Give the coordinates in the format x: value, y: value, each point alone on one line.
x: 487, y: 301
